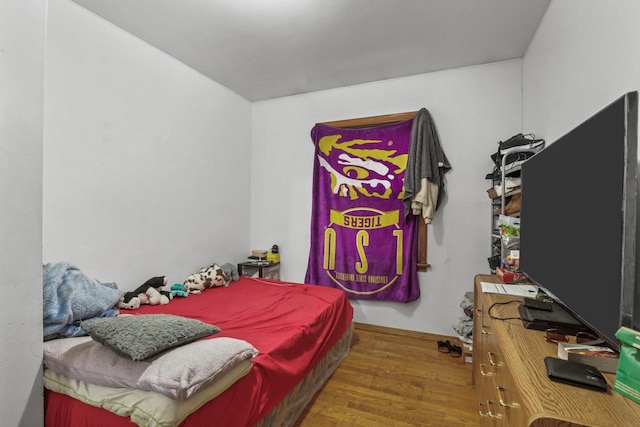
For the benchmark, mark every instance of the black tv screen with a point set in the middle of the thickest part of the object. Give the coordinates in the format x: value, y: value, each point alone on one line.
x: 578, y: 219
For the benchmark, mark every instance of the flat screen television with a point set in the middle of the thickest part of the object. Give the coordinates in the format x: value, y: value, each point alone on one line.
x: 579, y: 220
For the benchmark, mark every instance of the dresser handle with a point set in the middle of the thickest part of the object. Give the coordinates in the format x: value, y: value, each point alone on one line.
x: 479, y: 312
x: 488, y: 413
x: 491, y: 361
x: 483, y: 372
x: 484, y: 332
x: 501, y: 399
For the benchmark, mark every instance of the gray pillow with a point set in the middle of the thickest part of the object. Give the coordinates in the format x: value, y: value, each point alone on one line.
x: 142, y: 336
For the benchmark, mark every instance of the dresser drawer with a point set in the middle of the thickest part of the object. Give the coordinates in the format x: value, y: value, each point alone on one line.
x: 505, y: 393
x: 498, y: 400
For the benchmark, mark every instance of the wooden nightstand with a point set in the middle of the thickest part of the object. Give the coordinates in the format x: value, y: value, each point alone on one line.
x: 264, y: 271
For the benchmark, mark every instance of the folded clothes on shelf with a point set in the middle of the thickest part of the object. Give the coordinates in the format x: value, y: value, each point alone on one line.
x: 510, y: 184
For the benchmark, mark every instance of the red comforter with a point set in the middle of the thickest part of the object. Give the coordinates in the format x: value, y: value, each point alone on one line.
x: 292, y: 325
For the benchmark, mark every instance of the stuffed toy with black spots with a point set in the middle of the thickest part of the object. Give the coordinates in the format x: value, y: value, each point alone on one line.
x: 206, y: 278
x: 213, y: 276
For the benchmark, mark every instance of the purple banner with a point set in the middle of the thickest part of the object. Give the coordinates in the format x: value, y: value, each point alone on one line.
x: 360, y: 242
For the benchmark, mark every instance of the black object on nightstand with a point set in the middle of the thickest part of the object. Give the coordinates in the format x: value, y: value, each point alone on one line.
x: 264, y: 270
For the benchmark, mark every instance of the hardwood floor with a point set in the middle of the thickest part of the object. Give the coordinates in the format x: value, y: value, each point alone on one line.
x: 394, y: 379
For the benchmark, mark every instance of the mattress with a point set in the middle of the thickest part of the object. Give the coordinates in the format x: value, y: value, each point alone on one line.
x: 302, y: 333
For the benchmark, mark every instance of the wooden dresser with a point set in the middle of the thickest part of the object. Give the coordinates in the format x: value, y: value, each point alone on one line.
x: 511, y: 382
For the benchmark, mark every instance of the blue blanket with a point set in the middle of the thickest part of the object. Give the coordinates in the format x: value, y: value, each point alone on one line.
x: 70, y: 296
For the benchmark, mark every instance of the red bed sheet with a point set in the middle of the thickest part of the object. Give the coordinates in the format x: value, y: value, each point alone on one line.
x: 292, y: 325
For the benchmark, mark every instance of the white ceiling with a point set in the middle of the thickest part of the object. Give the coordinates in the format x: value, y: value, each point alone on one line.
x: 264, y: 49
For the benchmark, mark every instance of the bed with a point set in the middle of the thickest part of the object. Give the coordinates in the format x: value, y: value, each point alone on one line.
x: 300, y: 334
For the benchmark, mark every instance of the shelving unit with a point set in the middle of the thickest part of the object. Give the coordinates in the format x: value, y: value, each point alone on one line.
x: 498, y: 204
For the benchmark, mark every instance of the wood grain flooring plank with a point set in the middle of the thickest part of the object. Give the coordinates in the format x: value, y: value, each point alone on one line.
x: 395, y: 378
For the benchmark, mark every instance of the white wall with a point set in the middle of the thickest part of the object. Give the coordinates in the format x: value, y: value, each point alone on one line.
x: 121, y: 162
x: 472, y: 108
x: 146, y: 162
x: 22, y: 44
x: 584, y: 56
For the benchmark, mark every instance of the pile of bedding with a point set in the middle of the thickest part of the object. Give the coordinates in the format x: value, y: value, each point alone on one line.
x: 70, y: 296
x: 158, y: 391
x: 152, y: 368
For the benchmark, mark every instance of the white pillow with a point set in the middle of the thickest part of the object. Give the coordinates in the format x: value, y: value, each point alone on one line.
x: 177, y: 373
